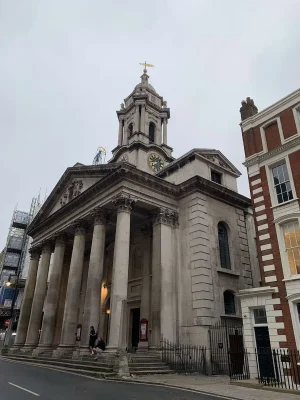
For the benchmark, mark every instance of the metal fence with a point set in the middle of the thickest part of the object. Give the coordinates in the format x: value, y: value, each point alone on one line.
x: 278, y: 368
x: 238, y: 365
x: 226, y: 340
x: 184, y: 358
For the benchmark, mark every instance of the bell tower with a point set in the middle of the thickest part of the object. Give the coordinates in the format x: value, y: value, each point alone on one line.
x: 143, y: 121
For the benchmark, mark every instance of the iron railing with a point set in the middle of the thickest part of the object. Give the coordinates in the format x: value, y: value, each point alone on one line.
x: 238, y: 365
x: 278, y: 368
x: 184, y: 358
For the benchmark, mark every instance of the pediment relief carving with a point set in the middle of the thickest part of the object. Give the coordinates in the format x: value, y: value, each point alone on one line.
x: 72, y: 191
x: 217, y: 160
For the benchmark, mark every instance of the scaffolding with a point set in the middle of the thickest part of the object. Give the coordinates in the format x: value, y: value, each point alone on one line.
x: 15, y: 253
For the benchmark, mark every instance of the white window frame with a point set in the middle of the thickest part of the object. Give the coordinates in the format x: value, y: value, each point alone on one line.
x: 270, y: 179
x: 263, y: 133
x: 293, y: 300
x: 296, y: 112
x: 254, y: 324
x: 282, y: 249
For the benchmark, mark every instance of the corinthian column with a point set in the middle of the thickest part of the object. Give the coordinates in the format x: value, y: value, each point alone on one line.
x: 124, y: 205
x: 92, y: 299
x: 68, y: 337
x: 35, y: 320
x: 163, y: 279
x: 27, y: 299
x: 51, y: 302
x: 146, y: 282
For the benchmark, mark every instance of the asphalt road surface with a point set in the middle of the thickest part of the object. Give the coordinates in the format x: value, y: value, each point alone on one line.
x: 26, y: 382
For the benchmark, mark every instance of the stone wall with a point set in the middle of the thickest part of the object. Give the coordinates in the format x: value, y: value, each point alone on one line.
x: 202, y: 280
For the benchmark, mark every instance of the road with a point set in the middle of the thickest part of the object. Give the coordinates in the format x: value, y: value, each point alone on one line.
x: 26, y: 382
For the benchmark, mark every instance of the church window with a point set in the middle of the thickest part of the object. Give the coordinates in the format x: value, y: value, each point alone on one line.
x: 130, y: 129
x: 229, y: 302
x: 224, y: 246
x: 151, y: 132
x: 216, y: 177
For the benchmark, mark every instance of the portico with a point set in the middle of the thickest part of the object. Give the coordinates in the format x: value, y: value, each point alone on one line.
x: 116, y: 240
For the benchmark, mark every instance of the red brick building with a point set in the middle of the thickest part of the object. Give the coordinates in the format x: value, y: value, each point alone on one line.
x: 271, y: 313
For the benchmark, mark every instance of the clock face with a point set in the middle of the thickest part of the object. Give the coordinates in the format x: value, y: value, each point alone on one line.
x: 156, y: 163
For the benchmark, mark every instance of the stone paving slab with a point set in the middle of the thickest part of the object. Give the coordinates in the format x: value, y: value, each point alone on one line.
x: 219, y: 385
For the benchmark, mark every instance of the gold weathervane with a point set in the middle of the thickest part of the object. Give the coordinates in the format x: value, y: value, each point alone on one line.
x: 146, y: 65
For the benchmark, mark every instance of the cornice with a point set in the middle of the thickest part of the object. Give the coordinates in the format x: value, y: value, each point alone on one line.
x: 140, y: 145
x: 262, y: 157
x: 126, y: 172
x: 255, y: 119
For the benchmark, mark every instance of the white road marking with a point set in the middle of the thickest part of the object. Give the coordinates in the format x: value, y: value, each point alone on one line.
x: 26, y: 390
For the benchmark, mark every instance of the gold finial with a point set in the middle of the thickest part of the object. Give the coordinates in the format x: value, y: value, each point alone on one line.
x: 146, y: 65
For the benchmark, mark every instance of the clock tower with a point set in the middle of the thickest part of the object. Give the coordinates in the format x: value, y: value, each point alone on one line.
x: 143, y: 120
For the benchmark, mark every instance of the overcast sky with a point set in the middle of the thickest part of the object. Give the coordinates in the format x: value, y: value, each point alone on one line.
x: 66, y: 65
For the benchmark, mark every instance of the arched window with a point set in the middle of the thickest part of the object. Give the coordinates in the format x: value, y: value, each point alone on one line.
x: 130, y: 129
x: 151, y: 132
x: 229, y: 302
x: 224, y: 246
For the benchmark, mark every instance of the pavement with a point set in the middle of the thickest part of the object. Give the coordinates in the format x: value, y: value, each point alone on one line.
x: 215, y: 385
x: 21, y: 381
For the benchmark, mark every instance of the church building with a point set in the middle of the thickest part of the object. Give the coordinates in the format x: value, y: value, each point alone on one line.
x: 142, y: 248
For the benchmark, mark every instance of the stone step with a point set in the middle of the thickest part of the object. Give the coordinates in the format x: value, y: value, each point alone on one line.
x: 152, y: 372
x: 57, y: 361
x: 145, y: 359
x: 149, y: 368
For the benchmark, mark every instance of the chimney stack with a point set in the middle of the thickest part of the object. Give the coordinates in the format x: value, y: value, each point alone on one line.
x: 248, y: 109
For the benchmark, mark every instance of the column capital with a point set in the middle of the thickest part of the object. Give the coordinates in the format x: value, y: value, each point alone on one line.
x: 60, y: 239
x: 79, y: 226
x: 35, y: 253
x: 166, y: 216
x: 47, y: 246
x: 100, y: 216
x: 123, y: 202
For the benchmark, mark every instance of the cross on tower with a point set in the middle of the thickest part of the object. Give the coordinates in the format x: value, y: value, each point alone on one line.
x: 146, y: 65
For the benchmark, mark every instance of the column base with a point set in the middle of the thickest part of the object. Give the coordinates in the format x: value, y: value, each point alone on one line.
x: 42, y: 349
x: 28, y: 348
x: 63, y: 350
x: 16, y: 347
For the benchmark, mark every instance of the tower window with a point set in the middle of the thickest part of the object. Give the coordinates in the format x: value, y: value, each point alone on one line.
x: 216, y: 177
x: 130, y: 129
x: 224, y: 246
x: 151, y: 132
x: 229, y: 302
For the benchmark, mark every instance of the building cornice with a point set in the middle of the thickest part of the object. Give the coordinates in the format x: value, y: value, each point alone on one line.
x: 119, y: 150
x: 274, y: 108
x: 265, y: 156
x: 126, y: 172
x: 260, y: 291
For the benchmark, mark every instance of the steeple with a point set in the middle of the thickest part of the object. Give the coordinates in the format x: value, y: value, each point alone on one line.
x: 143, y: 119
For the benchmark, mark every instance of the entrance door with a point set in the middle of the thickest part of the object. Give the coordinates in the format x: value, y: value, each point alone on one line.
x: 236, y: 353
x: 135, y: 327
x: 264, y: 352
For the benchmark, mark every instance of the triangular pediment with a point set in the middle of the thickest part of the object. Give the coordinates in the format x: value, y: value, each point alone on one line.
x: 217, y: 158
x: 75, y: 181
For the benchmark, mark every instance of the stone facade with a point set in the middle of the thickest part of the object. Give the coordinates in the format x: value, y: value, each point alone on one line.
x: 272, y: 148
x: 139, y: 238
